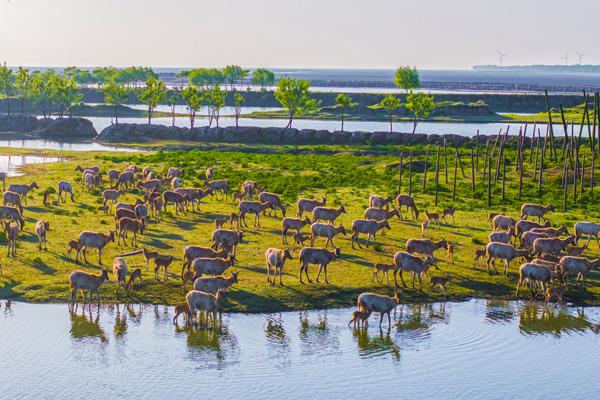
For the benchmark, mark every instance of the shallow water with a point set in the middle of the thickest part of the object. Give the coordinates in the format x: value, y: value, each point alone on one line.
x: 476, y: 349
x: 55, y: 145
x: 11, y: 164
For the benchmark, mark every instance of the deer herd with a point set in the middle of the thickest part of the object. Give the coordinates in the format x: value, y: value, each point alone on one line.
x: 550, y: 254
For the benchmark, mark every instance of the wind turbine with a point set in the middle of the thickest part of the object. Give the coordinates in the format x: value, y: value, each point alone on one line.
x: 580, y: 55
x: 566, y: 58
x: 501, y: 56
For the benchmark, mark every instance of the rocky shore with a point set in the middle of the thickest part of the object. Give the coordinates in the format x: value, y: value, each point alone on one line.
x: 78, y: 128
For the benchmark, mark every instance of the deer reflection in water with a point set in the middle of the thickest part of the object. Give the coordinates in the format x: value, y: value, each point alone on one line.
x: 86, y: 326
x: 377, y: 345
x: 317, y: 336
x: 213, y: 348
x: 537, y: 319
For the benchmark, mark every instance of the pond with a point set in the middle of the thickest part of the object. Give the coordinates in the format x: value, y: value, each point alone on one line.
x: 476, y: 349
x: 11, y: 164
x: 57, y: 145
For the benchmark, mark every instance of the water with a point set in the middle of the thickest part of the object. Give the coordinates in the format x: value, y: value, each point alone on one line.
x: 11, y: 164
x: 477, y: 349
x: 55, y: 145
x: 462, y: 128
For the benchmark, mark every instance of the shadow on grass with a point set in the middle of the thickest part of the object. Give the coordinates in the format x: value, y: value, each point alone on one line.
x: 40, y: 266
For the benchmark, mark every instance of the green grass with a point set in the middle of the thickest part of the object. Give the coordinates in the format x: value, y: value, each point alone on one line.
x: 336, y: 172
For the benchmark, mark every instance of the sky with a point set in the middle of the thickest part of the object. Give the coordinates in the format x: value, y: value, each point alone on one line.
x: 428, y: 34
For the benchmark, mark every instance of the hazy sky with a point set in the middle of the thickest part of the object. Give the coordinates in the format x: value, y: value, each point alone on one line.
x: 299, y: 33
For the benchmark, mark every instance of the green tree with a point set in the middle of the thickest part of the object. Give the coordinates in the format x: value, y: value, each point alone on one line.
x: 41, y: 92
x: 23, y: 86
x: 115, y: 93
x: 104, y: 74
x: 6, y: 85
x: 193, y: 100
x: 421, y: 105
x: 292, y: 94
x: 344, y: 102
x: 407, y: 78
x: 238, y: 100
x: 172, y: 101
x: 233, y: 74
x: 206, y: 77
x: 215, y: 100
x: 153, y: 94
x: 390, y: 104
x: 263, y: 77
x: 64, y: 93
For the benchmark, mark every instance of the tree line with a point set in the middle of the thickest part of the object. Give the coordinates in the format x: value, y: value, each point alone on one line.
x: 55, y: 93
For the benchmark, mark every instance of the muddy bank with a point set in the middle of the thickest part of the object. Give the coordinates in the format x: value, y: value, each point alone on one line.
x: 30, y: 126
x: 145, y: 133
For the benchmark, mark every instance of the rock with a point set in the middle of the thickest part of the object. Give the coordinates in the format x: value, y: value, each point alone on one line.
x: 66, y: 127
x: 18, y: 123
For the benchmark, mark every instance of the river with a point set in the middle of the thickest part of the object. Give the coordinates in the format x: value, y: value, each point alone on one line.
x: 477, y: 349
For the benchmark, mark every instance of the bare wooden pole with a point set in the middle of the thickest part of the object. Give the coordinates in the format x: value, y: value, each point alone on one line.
x: 537, y: 155
x: 437, y: 175
x: 410, y: 155
x: 592, y: 174
x: 541, y: 181
x: 425, y: 170
x: 520, y: 161
x: 565, y: 129
x: 551, y: 129
x: 582, y: 122
x: 566, y: 183
x: 455, y: 171
x: 472, y: 172
x: 400, y: 173
x: 575, y: 172
x: 504, y: 178
x: 500, y: 154
x: 489, y: 182
x: 582, y: 177
x: 532, y: 142
x: 485, y: 159
x: 445, y: 161
x: 477, y: 150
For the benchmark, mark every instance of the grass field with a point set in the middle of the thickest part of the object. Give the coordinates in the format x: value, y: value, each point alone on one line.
x: 342, y: 176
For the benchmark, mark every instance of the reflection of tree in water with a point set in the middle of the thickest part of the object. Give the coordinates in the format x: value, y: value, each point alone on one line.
x: 536, y: 319
x: 86, y: 326
x: 317, y: 336
x: 120, y: 328
x: 499, y: 311
x: 376, y: 345
x: 213, y: 348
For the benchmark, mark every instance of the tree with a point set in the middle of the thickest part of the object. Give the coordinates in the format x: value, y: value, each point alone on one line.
x: 64, y: 93
x: 23, y: 86
x: 104, y: 74
x: 6, y: 85
x: 152, y: 95
x: 193, y: 99
x: 407, y: 78
x: 215, y: 100
x: 115, y: 93
x: 344, y: 102
x: 292, y: 94
x: 41, y: 92
x: 238, y: 100
x: 263, y: 77
x: 206, y: 77
x: 421, y: 106
x: 390, y: 104
x: 233, y: 74
x: 172, y: 102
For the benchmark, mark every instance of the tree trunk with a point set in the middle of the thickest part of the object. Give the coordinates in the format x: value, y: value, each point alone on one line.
x: 391, y: 127
x: 415, y: 123
x: 117, y: 114
x: 149, y: 115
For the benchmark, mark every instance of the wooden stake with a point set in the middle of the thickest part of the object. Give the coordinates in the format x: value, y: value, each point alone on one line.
x: 425, y: 170
x: 541, y: 181
x: 400, y: 173
x: 472, y: 172
x: 504, y: 178
x: 521, y: 156
x: 489, y: 183
x: 445, y: 161
x: 454, y: 183
x: 410, y: 173
x: 582, y: 176
x: 532, y: 142
x: 477, y: 150
x: 566, y: 183
x: 551, y: 129
x: 437, y: 175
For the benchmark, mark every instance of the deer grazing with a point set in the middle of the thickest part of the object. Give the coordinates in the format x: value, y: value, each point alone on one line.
x: 135, y: 275
x: 41, y: 229
x: 416, y: 266
x: 23, y: 190
x: 369, y: 302
x: 327, y: 231
x: 308, y: 205
x: 327, y: 214
x: 13, y: 199
x: 433, y: 218
x: 360, y: 317
x: 12, y: 233
x: 380, y: 202
x: 404, y: 200
x: 504, y: 252
x: 292, y: 223
x: 440, y: 281
x: 252, y: 207
x: 448, y: 213
x: 383, y: 270
x: 274, y: 199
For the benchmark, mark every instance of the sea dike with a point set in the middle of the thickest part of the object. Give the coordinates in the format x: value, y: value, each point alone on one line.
x: 140, y: 133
